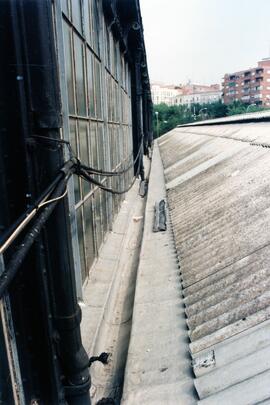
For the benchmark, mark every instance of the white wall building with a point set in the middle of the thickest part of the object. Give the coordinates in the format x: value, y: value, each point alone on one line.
x: 205, y: 97
x: 164, y: 93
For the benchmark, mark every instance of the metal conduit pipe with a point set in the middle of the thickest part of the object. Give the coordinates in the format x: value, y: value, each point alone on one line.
x: 43, y: 106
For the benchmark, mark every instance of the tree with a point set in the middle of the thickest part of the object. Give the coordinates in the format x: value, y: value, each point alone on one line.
x: 171, y: 116
x: 237, y: 107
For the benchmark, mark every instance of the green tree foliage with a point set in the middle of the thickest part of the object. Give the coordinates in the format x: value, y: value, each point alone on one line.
x: 237, y: 107
x: 167, y: 117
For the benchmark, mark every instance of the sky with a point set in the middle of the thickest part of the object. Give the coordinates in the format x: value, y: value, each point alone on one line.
x: 201, y: 40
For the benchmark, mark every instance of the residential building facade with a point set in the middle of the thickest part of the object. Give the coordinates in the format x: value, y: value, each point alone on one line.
x: 162, y: 93
x: 251, y: 86
x: 192, y: 94
x: 187, y: 94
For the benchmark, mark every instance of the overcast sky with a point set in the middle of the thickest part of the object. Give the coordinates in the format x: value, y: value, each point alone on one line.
x: 201, y: 40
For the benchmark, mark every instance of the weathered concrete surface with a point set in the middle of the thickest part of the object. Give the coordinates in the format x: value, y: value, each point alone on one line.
x: 158, y: 369
x: 217, y: 180
x: 108, y: 298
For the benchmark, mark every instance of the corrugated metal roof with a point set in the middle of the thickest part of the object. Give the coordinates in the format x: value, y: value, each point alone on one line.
x: 249, y: 116
x: 217, y: 180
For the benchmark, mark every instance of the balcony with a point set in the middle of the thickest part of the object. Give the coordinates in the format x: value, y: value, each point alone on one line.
x: 259, y: 72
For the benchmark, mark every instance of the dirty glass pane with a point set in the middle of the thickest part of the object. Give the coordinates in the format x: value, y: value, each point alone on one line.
x: 73, y: 142
x: 97, y: 210
x: 84, y: 153
x: 117, y: 103
x: 108, y: 91
x: 94, y: 161
x: 98, y: 89
x: 95, y: 26
x: 64, y: 7
x: 104, y: 211
x: 108, y: 48
x: 86, y: 21
x: 76, y: 13
x: 79, y: 213
x: 115, y: 61
x: 89, y: 233
x: 90, y: 79
x: 69, y: 68
x: 112, y: 99
x: 80, y: 76
x: 101, y: 147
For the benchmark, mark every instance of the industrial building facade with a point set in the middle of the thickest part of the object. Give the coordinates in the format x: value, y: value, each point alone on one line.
x: 250, y: 86
x: 75, y: 86
x: 98, y: 84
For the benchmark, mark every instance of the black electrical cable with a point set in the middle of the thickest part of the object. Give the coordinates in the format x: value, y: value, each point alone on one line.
x: 55, y: 192
x: 82, y: 173
x: 16, y: 228
x: 90, y: 179
x: 12, y: 267
x: 48, y: 190
x: 90, y: 169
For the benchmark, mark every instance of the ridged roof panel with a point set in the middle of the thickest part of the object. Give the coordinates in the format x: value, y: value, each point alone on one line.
x: 217, y: 181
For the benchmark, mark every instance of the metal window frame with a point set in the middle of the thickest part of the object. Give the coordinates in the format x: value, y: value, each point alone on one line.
x: 112, y: 116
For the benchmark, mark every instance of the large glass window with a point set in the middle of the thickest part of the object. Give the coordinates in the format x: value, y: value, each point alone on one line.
x: 99, y: 108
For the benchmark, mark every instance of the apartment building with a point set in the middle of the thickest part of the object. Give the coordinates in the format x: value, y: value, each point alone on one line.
x: 251, y: 86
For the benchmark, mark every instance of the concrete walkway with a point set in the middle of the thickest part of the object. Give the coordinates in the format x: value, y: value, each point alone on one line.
x: 108, y: 297
x: 158, y: 369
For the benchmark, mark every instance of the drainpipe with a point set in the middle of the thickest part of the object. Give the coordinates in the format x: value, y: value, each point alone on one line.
x: 137, y: 110
x: 44, y: 113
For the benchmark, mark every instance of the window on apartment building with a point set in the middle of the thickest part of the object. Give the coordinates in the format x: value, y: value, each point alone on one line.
x: 97, y: 75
